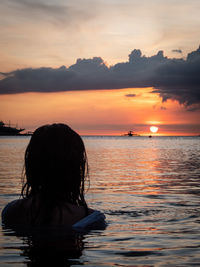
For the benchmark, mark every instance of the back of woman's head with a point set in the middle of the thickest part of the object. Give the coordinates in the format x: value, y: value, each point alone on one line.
x: 55, y: 165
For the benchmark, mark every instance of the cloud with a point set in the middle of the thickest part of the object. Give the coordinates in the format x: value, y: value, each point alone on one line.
x: 179, y: 80
x: 61, y: 14
x: 37, y: 8
x: 177, y: 51
x: 176, y: 79
x: 131, y: 95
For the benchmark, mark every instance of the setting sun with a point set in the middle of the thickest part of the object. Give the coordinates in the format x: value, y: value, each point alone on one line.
x: 153, y: 129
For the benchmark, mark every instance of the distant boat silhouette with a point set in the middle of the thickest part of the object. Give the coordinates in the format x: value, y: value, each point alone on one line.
x: 6, y: 129
x: 150, y: 136
x: 131, y: 133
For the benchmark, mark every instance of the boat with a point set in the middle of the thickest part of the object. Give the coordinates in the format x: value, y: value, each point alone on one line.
x: 131, y: 133
x: 6, y: 129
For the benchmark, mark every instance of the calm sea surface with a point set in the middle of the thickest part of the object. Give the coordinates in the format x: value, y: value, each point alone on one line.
x: 149, y: 190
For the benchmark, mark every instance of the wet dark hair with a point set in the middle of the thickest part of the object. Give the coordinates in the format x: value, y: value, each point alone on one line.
x: 56, y: 165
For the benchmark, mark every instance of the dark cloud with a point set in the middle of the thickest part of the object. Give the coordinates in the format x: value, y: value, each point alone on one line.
x: 163, y: 108
x: 131, y: 95
x: 177, y: 51
x: 176, y: 79
x: 179, y: 79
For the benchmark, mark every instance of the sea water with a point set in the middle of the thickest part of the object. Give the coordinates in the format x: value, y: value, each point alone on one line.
x: 149, y: 190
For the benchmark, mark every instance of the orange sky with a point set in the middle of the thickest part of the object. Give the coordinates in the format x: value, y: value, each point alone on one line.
x: 36, y: 34
x: 100, y: 112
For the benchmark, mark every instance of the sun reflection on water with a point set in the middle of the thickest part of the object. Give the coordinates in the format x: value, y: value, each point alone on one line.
x: 149, y: 190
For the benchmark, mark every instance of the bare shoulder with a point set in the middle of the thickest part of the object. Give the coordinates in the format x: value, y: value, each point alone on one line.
x: 73, y: 213
x: 12, y: 212
x: 20, y: 212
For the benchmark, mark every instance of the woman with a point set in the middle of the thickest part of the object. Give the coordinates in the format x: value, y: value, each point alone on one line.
x: 55, y: 172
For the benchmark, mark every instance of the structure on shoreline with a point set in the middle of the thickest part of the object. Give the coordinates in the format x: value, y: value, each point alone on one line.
x: 7, y: 129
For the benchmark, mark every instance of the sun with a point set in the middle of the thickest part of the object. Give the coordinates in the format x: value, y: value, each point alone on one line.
x: 153, y: 129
